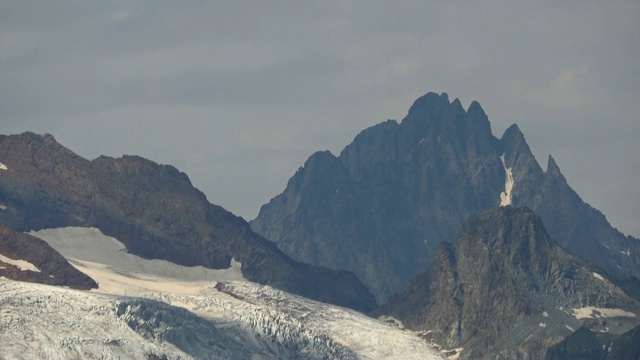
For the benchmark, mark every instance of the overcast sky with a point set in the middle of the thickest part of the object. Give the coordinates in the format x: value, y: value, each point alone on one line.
x: 238, y: 94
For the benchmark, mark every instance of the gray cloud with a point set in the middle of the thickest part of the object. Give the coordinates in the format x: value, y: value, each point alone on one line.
x: 239, y: 94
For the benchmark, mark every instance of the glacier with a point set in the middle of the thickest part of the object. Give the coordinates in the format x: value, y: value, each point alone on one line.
x: 144, y: 312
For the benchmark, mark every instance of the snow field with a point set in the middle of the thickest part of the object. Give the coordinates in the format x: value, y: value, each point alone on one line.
x: 268, y: 322
x: 89, y: 245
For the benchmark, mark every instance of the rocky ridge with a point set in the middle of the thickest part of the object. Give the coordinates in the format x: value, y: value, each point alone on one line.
x: 508, y: 290
x: 155, y: 211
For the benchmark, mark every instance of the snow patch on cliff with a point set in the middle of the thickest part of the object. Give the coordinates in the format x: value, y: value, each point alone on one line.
x: 506, y: 195
x: 21, y: 264
x: 595, y: 313
x: 598, y: 276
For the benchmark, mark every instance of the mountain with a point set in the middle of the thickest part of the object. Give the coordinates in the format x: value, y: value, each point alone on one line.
x: 508, y: 290
x: 155, y: 212
x: 382, y: 206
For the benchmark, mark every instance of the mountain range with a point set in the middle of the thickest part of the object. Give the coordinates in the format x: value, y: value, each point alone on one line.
x: 454, y: 242
x: 381, y: 208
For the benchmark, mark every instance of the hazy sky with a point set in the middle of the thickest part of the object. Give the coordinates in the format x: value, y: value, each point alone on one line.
x: 238, y: 94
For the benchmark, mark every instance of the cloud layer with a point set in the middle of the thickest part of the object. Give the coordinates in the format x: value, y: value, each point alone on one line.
x: 239, y: 94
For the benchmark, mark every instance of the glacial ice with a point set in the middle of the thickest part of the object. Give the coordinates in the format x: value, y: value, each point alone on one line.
x: 268, y: 323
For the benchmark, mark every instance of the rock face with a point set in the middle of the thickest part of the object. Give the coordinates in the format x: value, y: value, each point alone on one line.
x: 381, y: 208
x: 155, y: 211
x: 50, y: 267
x: 507, y: 290
x: 587, y: 344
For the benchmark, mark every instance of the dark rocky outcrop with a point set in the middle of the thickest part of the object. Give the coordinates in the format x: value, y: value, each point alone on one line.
x: 381, y: 208
x: 592, y: 345
x: 54, y: 269
x: 506, y: 290
x: 155, y: 211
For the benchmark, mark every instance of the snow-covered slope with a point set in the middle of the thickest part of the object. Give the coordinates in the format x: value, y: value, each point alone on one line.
x: 46, y: 322
x: 136, y: 313
x: 89, y: 246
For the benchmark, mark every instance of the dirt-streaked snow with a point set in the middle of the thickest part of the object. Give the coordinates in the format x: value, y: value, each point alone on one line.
x: 269, y: 323
x: 21, y: 264
x: 594, y: 312
x: 505, y: 197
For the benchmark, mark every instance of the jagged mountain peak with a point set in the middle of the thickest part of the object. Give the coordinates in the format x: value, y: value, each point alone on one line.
x: 513, y: 131
x: 476, y: 109
x: 429, y: 103
x: 554, y: 170
x: 403, y: 187
x: 320, y: 157
x: 509, y: 229
x: 456, y: 103
x: 514, y: 145
x: 516, y: 234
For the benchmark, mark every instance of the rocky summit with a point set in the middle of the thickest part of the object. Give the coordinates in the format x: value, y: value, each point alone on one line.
x: 508, y: 290
x: 382, y: 206
x: 154, y: 211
